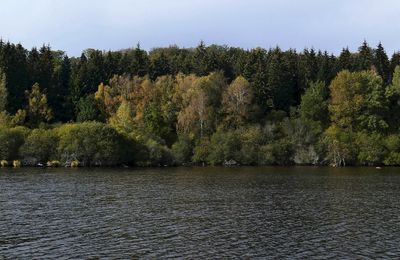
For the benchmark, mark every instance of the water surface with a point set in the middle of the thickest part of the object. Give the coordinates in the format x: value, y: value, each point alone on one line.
x: 260, y: 212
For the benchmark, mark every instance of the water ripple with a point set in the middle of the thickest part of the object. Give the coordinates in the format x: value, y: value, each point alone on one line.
x: 250, y: 213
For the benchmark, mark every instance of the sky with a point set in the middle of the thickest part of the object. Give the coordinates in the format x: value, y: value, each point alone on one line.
x: 75, y: 25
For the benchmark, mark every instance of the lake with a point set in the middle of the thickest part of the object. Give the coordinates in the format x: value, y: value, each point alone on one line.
x: 193, y: 213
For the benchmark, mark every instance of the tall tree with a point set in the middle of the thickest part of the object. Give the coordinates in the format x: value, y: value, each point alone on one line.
x: 381, y: 63
x: 358, y: 101
x: 238, y: 102
x: 38, y: 109
x: 364, y: 58
x: 3, y: 92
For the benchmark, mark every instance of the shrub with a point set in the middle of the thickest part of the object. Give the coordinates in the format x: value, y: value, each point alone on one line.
x: 41, y: 145
x: 201, y: 151
x: 182, y: 150
x: 251, y: 139
x: 93, y: 143
x: 370, y: 148
x: 225, y: 146
x: 392, y: 145
x: 3, y: 163
x: 157, y: 154
x: 53, y: 163
x: 11, y: 139
x: 17, y: 163
x: 279, y: 152
x: 74, y: 164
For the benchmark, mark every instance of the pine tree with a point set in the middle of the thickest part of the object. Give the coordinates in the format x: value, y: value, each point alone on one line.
x: 345, y: 60
x: 381, y: 63
x: 364, y: 59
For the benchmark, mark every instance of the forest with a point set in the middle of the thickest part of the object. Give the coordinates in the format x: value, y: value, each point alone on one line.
x: 208, y: 105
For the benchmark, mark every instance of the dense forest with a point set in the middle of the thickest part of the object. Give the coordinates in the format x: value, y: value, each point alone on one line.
x: 215, y: 105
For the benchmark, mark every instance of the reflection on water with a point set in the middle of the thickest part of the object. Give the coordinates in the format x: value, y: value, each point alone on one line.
x: 267, y: 212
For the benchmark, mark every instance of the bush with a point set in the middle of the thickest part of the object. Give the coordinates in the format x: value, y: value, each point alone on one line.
x: 201, y: 151
x: 40, y: 145
x: 53, y: 163
x: 251, y: 140
x: 392, y: 145
x: 75, y: 164
x: 157, y: 154
x: 93, y: 143
x: 11, y: 139
x: 17, y: 163
x: 225, y: 146
x: 182, y: 150
x: 371, y: 150
x: 3, y: 163
x: 279, y: 152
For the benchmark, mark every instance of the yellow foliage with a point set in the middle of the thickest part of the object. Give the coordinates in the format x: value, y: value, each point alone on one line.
x: 16, y: 163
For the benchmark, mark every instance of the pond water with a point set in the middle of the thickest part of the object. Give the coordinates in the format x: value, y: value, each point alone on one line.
x: 259, y: 212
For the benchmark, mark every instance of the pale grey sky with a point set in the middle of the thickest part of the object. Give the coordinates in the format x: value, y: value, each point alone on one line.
x: 74, y: 25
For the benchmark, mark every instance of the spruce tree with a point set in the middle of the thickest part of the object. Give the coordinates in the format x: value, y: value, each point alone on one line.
x: 381, y: 63
x: 364, y: 59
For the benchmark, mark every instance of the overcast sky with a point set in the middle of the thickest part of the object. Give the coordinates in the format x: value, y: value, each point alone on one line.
x: 74, y: 25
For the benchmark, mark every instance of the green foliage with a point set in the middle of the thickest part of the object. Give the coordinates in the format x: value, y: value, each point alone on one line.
x: 11, y: 140
x: 209, y: 104
x: 202, y: 151
x: 251, y: 138
x: 93, y: 143
x: 224, y: 146
x: 314, y: 103
x: 304, y: 135
x: 279, y: 152
x: 370, y: 148
x: 182, y: 150
x: 392, y: 95
x: 40, y: 145
x: 392, y: 145
x: 157, y: 154
x: 358, y: 101
x: 340, y: 146
x: 87, y: 110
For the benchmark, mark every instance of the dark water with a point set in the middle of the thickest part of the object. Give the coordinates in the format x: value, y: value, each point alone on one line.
x: 193, y: 213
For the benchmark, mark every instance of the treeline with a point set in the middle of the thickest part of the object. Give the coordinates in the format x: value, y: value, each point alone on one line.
x: 205, y: 105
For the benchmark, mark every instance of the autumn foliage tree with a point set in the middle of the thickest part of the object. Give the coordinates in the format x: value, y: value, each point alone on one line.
x: 38, y: 109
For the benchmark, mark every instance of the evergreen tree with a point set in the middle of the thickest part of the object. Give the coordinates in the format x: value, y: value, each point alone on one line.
x: 3, y: 92
x: 364, y: 58
x: 381, y: 63
x: 345, y: 60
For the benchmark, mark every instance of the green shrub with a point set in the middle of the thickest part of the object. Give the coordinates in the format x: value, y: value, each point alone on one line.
x: 225, y: 146
x: 371, y: 150
x: 157, y: 154
x: 93, y: 144
x: 11, y: 139
x: 392, y: 145
x: 182, y: 150
x: 251, y: 139
x: 41, y: 145
x: 201, y: 151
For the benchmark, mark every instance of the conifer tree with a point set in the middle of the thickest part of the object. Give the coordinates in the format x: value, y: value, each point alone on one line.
x: 381, y: 63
